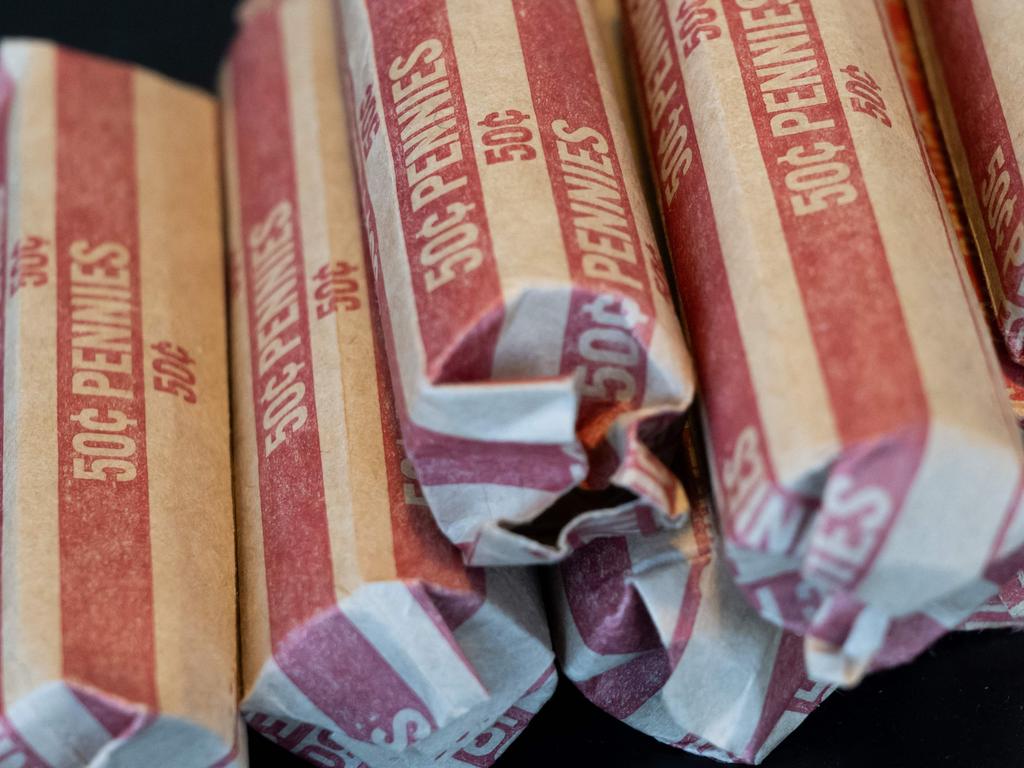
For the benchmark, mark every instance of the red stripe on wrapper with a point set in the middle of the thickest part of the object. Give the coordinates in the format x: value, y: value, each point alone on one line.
x: 440, y: 199
x: 611, y: 313
x: 622, y: 690
x: 734, y: 420
x: 989, y: 150
x: 692, y: 595
x: 348, y: 679
x: 105, y: 561
x: 594, y: 584
x: 852, y: 306
x: 316, y: 645
x: 788, y: 689
x: 14, y: 750
x: 295, y: 535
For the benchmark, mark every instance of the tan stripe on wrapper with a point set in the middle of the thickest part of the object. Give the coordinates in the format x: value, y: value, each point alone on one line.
x: 252, y: 581
x: 191, y: 526
x: 608, y: 14
x: 31, y: 586
x: 747, y: 224
x: 514, y: 191
x: 347, y: 403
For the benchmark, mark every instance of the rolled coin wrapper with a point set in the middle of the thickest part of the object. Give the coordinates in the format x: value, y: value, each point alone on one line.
x: 914, y: 72
x: 364, y: 637
x: 1013, y: 373
x: 866, y: 464
x: 972, y: 55
x: 119, y: 634
x: 652, y: 629
x: 912, y: 68
x: 534, y: 349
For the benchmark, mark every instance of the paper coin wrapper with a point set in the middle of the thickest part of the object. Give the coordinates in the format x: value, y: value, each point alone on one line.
x: 364, y: 637
x: 913, y: 69
x: 866, y: 464
x: 972, y: 55
x: 119, y: 637
x: 534, y: 347
x: 652, y: 629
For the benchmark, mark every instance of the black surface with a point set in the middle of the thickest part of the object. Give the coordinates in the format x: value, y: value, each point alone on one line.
x: 181, y: 38
x: 960, y: 705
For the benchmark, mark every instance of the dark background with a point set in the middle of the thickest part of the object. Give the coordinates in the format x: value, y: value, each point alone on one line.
x: 961, y: 704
